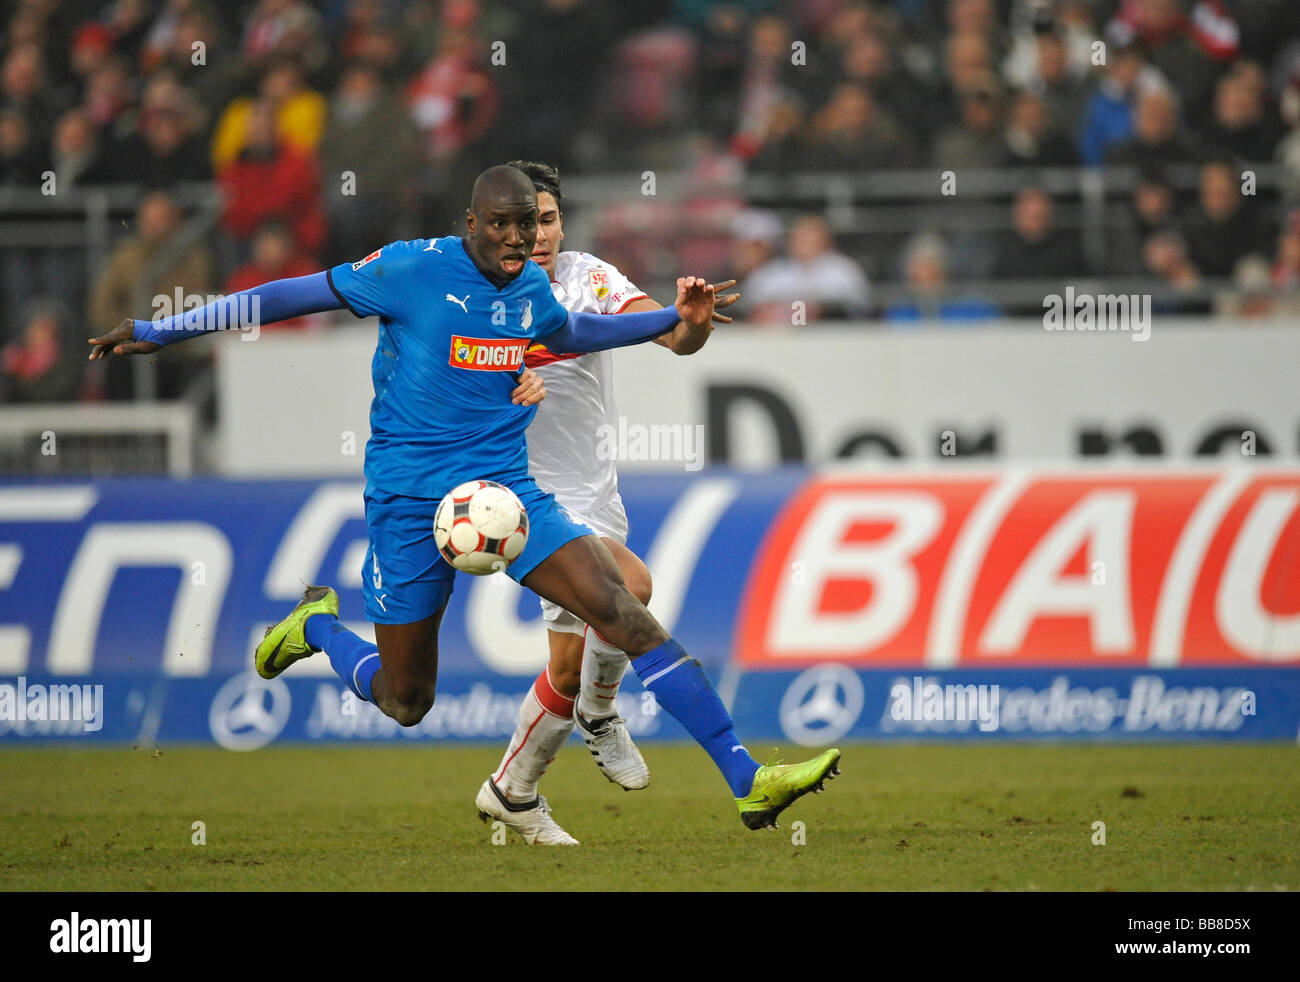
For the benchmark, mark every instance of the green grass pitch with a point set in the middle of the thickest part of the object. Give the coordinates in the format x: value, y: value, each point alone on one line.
x: 934, y: 817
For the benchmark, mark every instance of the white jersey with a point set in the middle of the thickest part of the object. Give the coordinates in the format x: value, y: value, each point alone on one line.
x: 564, y: 438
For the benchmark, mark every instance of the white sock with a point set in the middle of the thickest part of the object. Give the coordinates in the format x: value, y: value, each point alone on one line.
x: 545, y: 722
x: 602, y: 671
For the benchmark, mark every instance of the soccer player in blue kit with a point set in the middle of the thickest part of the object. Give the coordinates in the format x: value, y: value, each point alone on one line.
x: 456, y: 315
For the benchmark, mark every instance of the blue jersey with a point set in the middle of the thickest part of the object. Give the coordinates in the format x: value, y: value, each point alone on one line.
x: 451, y: 345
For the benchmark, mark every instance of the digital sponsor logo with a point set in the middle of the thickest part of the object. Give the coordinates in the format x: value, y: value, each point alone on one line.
x: 488, y: 355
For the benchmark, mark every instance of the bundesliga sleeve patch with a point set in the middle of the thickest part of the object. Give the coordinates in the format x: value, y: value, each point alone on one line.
x: 374, y: 255
x: 487, y: 355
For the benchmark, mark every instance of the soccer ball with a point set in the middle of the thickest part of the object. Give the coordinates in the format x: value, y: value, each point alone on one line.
x: 480, y: 527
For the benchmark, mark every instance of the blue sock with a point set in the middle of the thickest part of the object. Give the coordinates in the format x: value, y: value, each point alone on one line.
x: 681, y: 687
x: 355, y: 660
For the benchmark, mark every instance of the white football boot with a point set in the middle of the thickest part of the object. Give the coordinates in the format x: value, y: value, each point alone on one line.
x: 531, y: 819
x: 612, y: 747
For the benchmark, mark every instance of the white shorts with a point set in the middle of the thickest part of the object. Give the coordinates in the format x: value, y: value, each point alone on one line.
x: 609, y: 522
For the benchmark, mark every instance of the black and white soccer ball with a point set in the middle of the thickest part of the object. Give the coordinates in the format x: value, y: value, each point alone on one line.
x: 480, y: 527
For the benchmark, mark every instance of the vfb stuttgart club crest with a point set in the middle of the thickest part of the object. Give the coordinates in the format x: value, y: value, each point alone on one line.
x: 599, y: 283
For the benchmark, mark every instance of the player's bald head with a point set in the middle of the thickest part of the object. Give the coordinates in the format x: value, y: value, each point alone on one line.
x: 502, y: 186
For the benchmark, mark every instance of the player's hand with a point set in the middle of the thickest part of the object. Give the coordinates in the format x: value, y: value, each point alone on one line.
x: 531, y: 389
x: 118, y: 342
x: 695, y: 301
x: 723, y: 301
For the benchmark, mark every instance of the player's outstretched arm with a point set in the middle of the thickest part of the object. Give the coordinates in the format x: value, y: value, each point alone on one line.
x: 685, y: 339
x: 275, y: 301
x: 583, y: 332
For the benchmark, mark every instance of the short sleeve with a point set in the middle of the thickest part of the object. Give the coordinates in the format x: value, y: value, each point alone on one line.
x: 622, y: 291
x: 380, y: 284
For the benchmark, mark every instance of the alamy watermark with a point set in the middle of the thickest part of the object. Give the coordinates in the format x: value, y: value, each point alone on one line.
x: 214, y: 312
x: 1098, y: 312
x: 658, y: 441
x: 920, y: 700
x: 56, y: 708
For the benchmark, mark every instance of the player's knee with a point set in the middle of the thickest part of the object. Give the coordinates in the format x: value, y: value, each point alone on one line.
x: 408, y: 704
x: 638, y: 581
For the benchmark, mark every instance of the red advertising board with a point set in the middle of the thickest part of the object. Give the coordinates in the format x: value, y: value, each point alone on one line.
x: 1030, y: 568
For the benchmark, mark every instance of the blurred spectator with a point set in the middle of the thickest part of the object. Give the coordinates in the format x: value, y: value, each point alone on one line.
x: 1062, y: 89
x: 21, y: 161
x: 118, y: 289
x: 274, y: 257
x: 853, y: 133
x: 186, y: 40
x: 299, y: 112
x: 1070, y: 23
x: 283, y: 29
x: 363, y: 116
x: 977, y: 141
x: 925, y: 271
x: 1156, y: 141
x: 24, y: 86
x: 1164, y: 255
x: 453, y: 102
x: 968, y: 67
x: 1252, y: 294
x: 77, y: 157
x: 755, y: 237
x: 1030, y: 137
x: 829, y: 284
x: 92, y: 48
x: 1108, y: 112
x: 1151, y: 209
x: 1187, y: 50
x: 272, y: 180
x: 868, y: 60
x: 1036, y: 248
x: 371, y: 35
x: 128, y: 23
x: 769, y: 82
x: 38, y: 366
x: 780, y: 146
x: 1244, y: 125
x: 163, y: 149
x: 1221, y: 229
x: 1288, y: 149
x: 110, y: 92
x: 1286, y: 271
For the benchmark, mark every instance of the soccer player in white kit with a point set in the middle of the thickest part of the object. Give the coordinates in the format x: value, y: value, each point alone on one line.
x: 581, y: 681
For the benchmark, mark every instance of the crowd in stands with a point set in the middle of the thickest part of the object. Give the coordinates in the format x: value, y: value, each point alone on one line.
x: 332, y: 127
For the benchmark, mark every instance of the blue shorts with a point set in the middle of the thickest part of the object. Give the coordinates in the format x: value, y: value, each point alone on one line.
x: 405, y: 579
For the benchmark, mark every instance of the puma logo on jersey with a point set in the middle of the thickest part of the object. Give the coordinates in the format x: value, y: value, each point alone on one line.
x: 431, y: 247
x: 451, y: 299
x: 487, y: 354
